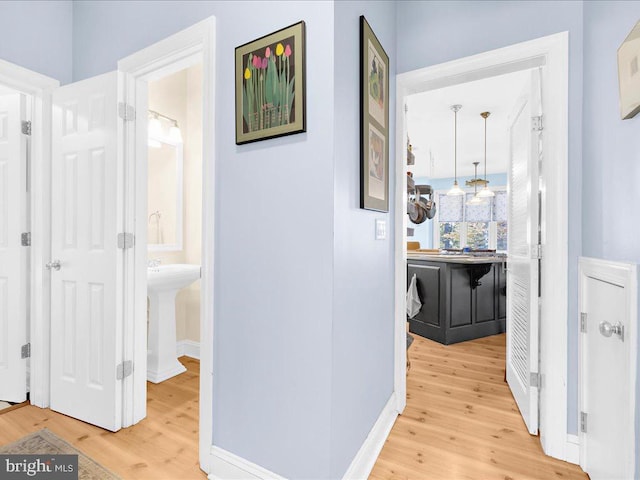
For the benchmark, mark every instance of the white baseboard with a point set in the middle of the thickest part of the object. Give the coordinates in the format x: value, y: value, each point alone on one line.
x: 227, y: 466
x: 188, y: 348
x: 573, y: 449
x: 366, y: 457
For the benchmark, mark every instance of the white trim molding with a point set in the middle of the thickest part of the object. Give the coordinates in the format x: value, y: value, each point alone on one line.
x: 188, y: 348
x: 366, y: 457
x: 228, y: 466
x: 573, y: 449
x: 551, y: 52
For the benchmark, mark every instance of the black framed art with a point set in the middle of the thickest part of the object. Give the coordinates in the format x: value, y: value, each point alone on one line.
x: 271, y: 85
x: 374, y: 121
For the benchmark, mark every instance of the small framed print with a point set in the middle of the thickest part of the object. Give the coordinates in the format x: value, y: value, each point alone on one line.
x: 270, y: 85
x: 629, y: 74
x: 374, y: 121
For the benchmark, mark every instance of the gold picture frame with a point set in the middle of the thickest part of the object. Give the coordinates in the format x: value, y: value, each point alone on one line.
x: 271, y: 85
x: 629, y: 74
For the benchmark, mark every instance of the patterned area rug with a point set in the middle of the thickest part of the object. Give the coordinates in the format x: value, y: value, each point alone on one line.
x: 44, y: 441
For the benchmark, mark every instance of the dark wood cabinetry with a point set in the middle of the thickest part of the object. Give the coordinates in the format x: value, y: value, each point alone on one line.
x: 459, y: 301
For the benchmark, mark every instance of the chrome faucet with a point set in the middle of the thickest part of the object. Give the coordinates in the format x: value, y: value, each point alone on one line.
x: 154, y: 263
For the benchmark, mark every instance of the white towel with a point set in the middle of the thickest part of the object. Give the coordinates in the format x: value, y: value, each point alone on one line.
x: 413, y: 299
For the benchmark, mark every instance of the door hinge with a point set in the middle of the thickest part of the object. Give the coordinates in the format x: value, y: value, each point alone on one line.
x: 126, y: 112
x: 583, y: 322
x: 536, y: 252
x: 583, y: 422
x: 124, y: 369
x: 25, y: 351
x: 126, y: 240
x: 536, y: 123
x: 25, y: 239
x: 26, y: 127
x: 535, y: 380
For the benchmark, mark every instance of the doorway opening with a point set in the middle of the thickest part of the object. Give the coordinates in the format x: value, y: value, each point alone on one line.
x: 460, y: 257
x: 174, y: 213
x: 551, y: 53
x: 174, y: 222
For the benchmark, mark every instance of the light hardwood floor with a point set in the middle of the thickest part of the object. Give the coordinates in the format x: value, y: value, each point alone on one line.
x: 163, y: 446
x: 461, y: 421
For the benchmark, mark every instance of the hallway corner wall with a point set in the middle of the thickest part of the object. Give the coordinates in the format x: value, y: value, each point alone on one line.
x: 38, y: 35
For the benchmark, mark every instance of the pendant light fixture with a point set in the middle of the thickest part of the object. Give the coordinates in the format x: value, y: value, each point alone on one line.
x: 476, y: 200
x: 455, y: 190
x: 485, y: 192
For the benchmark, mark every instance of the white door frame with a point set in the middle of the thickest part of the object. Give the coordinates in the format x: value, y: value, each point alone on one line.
x: 552, y: 52
x: 624, y: 275
x: 40, y: 88
x: 181, y: 47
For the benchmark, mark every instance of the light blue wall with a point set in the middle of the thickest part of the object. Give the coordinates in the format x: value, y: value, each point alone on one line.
x: 273, y: 293
x: 611, y: 158
x: 37, y: 35
x: 424, y: 232
x: 363, y: 315
x: 439, y: 31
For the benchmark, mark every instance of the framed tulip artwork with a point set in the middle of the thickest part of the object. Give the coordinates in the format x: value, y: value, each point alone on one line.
x: 270, y: 85
x: 374, y: 121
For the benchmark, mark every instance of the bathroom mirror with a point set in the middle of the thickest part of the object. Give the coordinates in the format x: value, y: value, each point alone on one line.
x: 164, y: 194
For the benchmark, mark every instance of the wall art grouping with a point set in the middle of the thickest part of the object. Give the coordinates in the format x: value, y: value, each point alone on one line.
x: 270, y: 85
x: 374, y: 121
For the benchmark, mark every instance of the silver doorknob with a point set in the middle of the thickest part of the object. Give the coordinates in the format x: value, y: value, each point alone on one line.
x: 606, y: 329
x: 54, y: 265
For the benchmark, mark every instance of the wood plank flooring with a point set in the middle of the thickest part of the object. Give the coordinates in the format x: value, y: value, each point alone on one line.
x: 163, y: 446
x: 461, y: 421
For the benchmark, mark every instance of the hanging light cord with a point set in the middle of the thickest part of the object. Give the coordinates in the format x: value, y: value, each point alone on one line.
x: 455, y: 145
x: 485, y: 148
x: 485, y: 115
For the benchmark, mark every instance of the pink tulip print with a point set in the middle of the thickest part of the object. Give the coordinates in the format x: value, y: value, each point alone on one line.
x: 268, y: 86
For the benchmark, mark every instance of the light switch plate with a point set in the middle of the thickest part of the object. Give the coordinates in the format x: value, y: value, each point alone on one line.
x: 381, y: 229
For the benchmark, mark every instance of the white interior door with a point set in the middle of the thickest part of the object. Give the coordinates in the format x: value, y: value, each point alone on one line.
x: 13, y: 256
x: 522, y: 259
x: 86, y: 288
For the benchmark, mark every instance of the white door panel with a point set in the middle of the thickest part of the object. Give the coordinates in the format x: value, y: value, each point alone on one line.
x: 13, y: 256
x: 523, y: 268
x: 606, y: 372
x: 608, y: 368
x: 86, y: 298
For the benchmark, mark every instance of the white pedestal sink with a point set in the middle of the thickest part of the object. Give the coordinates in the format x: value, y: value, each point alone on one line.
x: 163, y: 283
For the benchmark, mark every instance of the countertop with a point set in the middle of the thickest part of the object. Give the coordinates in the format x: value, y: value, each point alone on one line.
x: 465, y: 259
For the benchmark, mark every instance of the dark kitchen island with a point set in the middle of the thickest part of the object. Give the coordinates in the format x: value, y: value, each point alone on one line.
x: 463, y: 296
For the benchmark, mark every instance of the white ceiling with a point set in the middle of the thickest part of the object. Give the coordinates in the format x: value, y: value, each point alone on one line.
x: 430, y: 122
